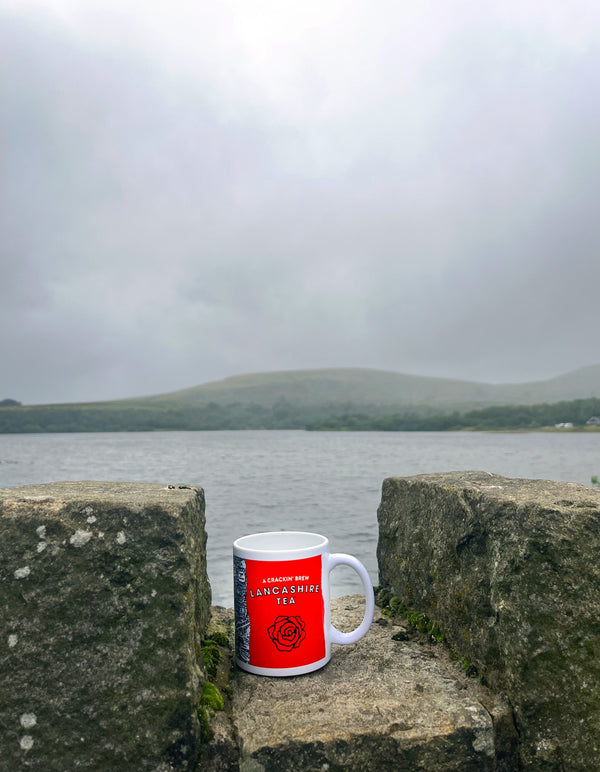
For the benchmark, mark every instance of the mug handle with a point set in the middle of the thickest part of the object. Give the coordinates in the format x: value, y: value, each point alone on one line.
x: 335, y: 635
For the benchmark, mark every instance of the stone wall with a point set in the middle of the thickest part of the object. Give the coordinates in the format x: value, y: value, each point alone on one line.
x: 510, y: 571
x: 104, y: 599
x: 112, y: 659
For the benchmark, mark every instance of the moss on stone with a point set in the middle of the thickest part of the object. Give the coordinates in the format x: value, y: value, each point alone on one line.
x: 210, y: 701
x: 211, y: 696
x: 219, y: 637
x: 211, y: 656
x: 204, y: 721
x: 392, y: 606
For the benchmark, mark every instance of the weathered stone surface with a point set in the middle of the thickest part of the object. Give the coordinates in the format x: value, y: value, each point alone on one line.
x: 104, y: 601
x: 378, y: 704
x: 511, y: 571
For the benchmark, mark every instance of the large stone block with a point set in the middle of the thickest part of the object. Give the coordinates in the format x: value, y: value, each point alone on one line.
x: 382, y: 703
x: 104, y: 599
x: 511, y: 571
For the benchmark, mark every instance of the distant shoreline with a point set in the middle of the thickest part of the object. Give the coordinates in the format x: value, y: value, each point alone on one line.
x: 285, y: 414
x: 537, y: 430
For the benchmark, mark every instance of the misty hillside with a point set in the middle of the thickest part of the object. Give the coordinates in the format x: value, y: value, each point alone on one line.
x: 317, y: 399
x: 383, y: 389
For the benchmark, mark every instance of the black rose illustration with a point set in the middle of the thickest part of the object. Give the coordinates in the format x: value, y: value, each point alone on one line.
x: 287, y: 633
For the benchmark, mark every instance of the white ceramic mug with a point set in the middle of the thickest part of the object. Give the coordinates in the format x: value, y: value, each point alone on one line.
x: 281, y: 597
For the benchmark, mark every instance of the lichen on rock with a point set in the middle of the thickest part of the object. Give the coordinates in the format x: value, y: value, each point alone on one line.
x: 100, y: 627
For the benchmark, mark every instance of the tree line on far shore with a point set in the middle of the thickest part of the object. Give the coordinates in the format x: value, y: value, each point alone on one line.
x: 505, y: 417
x: 116, y: 417
x: 144, y: 416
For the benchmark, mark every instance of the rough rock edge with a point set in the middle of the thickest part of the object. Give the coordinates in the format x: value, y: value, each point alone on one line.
x: 224, y: 752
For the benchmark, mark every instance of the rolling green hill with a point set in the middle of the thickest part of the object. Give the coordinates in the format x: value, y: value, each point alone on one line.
x: 331, y: 387
x: 380, y: 388
x: 296, y: 399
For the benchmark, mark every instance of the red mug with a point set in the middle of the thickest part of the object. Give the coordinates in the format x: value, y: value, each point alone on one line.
x: 281, y: 598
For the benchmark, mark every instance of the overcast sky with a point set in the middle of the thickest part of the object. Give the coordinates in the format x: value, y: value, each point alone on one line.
x: 192, y: 190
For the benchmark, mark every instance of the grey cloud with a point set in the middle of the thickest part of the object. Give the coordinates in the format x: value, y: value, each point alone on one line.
x: 164, y: 223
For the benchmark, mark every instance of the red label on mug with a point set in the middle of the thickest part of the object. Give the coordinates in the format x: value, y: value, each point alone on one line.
x: 286, y: 612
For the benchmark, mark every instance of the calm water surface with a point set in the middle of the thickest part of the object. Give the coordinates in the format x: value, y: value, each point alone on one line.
x: 328, y: 482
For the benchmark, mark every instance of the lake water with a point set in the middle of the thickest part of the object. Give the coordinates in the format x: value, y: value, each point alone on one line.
x: 328, y: 482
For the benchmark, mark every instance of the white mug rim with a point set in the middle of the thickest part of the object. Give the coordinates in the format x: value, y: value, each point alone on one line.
x: 320, y: 544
